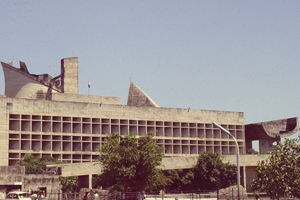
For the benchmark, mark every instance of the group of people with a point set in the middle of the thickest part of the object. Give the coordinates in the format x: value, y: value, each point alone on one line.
x: 95, y: 196
x: 37, y: 195
x: 91, y: 195
x: 141, y: 195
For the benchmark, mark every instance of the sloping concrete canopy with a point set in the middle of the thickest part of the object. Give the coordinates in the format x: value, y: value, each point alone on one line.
x: 136, y: 97
x: 272, y: 129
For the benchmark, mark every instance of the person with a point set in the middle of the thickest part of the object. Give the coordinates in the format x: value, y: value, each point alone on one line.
x: 139, y: 196
x: 257, y: 197
x: 85, y: 196
x: 96, y: 196
x: 34, y: 196
x: 144, y: 195
x: 2, y: 195
x: 29, y: 191
x: 40, y: 195
x: 122, y: 196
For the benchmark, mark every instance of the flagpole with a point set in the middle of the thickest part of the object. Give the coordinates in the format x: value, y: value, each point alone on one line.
x: 89, y: 85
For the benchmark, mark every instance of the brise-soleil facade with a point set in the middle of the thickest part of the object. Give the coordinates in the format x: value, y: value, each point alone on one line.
x: 45, y: 115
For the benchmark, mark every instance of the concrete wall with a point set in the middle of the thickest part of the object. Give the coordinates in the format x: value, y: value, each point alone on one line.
x: 4, y: 136
x: 33, y: 182
x: 251, y: 174
x: 11, y: 175
x: 15, y: 175
x: 266, y: 145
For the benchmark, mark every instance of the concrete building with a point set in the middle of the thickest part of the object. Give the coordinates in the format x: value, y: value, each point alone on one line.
x: 45, y: 115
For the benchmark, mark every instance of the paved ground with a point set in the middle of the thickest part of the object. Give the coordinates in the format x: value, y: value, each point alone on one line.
x: 180, y: 198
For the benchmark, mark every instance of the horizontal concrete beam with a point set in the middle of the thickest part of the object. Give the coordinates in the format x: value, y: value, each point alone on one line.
x: 81, y: 169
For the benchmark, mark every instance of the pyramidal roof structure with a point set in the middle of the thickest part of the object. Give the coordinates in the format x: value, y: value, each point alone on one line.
x: 136, y: 97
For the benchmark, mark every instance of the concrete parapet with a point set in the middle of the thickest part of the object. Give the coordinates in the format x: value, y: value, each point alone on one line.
x: 79, y: 169
x: 33, y: 106
x: 86, y: 98
x: 245, y: 160
x: 168, y: 163
x: 12, y: 170
x: 179, y: 162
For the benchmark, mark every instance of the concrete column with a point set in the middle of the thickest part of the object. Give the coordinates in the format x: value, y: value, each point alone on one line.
x: 244, y: 176
x: 90, y: 181
x: 266, y: 145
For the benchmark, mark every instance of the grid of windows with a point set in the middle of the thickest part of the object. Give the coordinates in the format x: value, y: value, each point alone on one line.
x: 76, y: 139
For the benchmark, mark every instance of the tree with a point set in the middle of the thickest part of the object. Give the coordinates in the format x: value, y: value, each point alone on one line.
x: 179, y: 180
x: 32, y: 164
x: 130, y: 163
x: 280, y: 173
x: 68, y: 183
x: 252, y: 151
x: 210, y: 173
x: 37, y: 165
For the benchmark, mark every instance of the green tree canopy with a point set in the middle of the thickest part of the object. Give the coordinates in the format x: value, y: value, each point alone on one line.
x: 37, y: 165
x: 68, y: 183
x: 130, y: 163
x: 252, y: 151
x: 280, y: 173
x: 210, y: 173
x: 178, y: 180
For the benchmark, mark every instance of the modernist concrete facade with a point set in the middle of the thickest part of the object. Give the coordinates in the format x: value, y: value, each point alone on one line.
x: 46, y: 116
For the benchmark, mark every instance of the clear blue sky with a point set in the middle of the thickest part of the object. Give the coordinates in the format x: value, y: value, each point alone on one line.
x: 213, y: 55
